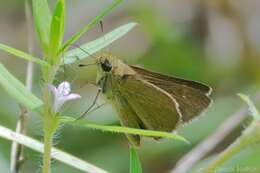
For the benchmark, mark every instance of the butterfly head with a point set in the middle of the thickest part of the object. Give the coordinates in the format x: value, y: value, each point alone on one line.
x: 106, y: 63
x: 109, y: 64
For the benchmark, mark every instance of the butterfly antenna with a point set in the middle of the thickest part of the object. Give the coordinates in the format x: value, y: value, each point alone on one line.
x: 102, y: 30
x: 84, y: 65
x: 101, y: 26
x: 86, y: 52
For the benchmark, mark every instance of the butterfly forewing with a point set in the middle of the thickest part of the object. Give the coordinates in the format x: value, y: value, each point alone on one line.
x: 193, y: 84
x: 191, y: 96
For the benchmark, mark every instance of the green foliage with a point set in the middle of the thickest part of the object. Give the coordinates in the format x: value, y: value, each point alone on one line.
x: 135, y: 164
x: 17, y: 90
x: 50, y: 29
x: 249, y: 137
x: 42, y: 19
x: 98, y: 44
x: 99, y: 17
x: 23, y: 55
x: 56, y: 153
x: 119, y: 129
x: 57, y: 29
x: 254, y: 112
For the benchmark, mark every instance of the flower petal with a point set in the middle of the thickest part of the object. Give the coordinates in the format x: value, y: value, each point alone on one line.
x: 61, y: 95
x: 61, y: 100
x: 53, y: 89
x: 57, y: 105
x: 73, y: 96
x: 64, y: 88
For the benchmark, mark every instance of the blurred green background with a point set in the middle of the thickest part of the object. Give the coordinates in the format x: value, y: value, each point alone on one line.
x: 214, y: 42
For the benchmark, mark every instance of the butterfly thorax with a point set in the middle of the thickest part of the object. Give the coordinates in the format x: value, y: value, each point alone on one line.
x: 111, y: 71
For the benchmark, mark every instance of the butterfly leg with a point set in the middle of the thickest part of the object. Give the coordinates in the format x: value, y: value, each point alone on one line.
x: 91, y: 106
x: 87, y: 83
x: 97, y: 107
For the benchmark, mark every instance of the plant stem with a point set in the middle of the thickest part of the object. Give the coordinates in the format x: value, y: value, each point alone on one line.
x: 47, y: 151
x: 50, y: 124
x: 17, y: 149
x: 57, y: 154
x: 50, y: 127
x: 208, y: 144
x: 47, y: 132
x: 250, y: 136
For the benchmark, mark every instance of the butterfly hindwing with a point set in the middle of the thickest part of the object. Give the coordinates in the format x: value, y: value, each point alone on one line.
x: 127, y: 117
x: 156, y: 109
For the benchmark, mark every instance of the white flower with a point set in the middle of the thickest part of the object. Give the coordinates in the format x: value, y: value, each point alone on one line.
x: 62, y: 94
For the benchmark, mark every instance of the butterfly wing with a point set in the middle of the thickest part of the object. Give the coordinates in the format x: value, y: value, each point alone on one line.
x: 127, y: 117
x: 156, y: 109
x: 191, y: 96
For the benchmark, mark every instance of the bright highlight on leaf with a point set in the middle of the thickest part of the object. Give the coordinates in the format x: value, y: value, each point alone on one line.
x: 42, y: 20
x: 135, y: 164
x: 55, y: 153
x: 98, y: 44
x: 251, y: 106
x: 23, y: 55
x: 57, y: 29
x: 119, y: 129
x: 17, y: 90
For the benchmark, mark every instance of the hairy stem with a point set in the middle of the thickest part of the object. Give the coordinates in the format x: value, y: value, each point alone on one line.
x: 47, y: 132
x: 47, y: 151
x: 50, y: 125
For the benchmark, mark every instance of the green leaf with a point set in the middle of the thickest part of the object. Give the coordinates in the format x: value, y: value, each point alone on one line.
x: 135, y: 164
x: 57, y: 29
x: 17, y: 90
x: 42, y: 20
x: 77, y: 35
x: 23, y: 55
x: 98, y: 44
x: 55, y: 153
x: 251, y: 106
x: 119, y: 129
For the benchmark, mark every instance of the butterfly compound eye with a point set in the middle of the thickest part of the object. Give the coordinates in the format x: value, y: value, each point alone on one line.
x: 106, y: 65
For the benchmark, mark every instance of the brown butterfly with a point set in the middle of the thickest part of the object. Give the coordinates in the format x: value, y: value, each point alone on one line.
x: 148, y: 100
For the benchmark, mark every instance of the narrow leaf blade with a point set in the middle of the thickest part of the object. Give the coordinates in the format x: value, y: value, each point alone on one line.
x: 135, y: 164
x: 251, y: 106
x: 17, y: 90
x: 55, y: 153
x: 42, y: 19
x: 119, y: 129
x: 77, y: 35
x: 57, y: 28
x: 98, y: 44
x: 23, y: 55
